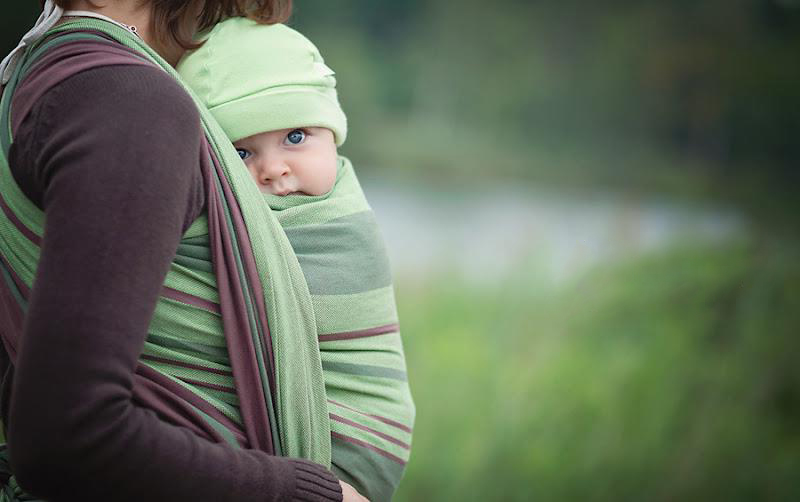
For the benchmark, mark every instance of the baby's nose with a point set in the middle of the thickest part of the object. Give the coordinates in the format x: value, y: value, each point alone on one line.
x: 272, y: 170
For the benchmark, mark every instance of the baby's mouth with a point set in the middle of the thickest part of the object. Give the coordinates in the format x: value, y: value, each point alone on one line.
x: 272, y: 191
x: 280, y: 190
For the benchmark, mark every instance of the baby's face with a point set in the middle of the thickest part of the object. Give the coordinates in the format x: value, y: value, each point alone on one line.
x: 291, y: 161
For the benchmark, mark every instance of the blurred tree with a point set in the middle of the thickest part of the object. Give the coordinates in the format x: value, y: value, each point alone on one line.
x: 713, y: 79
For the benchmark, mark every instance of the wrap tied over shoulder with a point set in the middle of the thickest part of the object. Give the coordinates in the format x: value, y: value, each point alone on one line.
x: 232, y: 351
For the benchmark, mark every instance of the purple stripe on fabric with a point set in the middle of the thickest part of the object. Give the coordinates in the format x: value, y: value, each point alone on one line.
x: 207, y: 385
x: 364, y: 444
x: 253, y: 406
x: 170, y: 408
x: 177, y: 405
x: 364, y: 333
x: 251, y: 270
x: 27, y: 232
x: 194, y: 301
x: 385, y: 420
x: 12, y: 319
x: 186, y: 365
x: 61, y: 63
x: 378, y: 433
x: 23, y: 288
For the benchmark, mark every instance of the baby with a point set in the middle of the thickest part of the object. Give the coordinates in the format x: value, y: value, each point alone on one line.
x: 270, y: 90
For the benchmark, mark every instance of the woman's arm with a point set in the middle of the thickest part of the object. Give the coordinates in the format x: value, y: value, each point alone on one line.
x: 112, y: 157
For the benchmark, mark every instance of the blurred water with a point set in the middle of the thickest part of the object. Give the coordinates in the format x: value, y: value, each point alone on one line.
x: 484, y: 234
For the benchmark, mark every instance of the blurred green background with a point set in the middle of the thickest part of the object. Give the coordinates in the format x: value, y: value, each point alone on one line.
x: 592, y: 213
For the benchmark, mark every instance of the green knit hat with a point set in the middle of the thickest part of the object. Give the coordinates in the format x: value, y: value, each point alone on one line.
x: 256, y: 78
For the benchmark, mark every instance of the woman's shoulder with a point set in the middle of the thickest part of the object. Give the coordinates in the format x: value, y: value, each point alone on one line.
x: 89, y: 73
x: 129, y: 119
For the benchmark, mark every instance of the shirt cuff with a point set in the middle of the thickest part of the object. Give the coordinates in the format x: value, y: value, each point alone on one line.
x: 314, y: 483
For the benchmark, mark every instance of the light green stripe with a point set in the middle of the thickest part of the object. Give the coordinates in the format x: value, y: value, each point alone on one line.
x: 192, y: 374
x: 224, y: 408
x: 194, y: 263
x: 343, y: 313
x: 185, y: 355
x: 373, y: 423
x: 189, y: 323
x: 197, y: 233
x: 370, y: 438
x: 217, y: 355
x: 225, y: 397
x: 381, y: 396
x: 228, y: 399
x: 369, y: 352
x: 22, y: 255
x: 378, y: 398
x: 202, y: 284
x: 22, y: 246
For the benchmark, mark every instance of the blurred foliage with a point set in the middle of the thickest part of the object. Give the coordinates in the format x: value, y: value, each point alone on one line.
x: 673, y: 378
x: 696, y: 98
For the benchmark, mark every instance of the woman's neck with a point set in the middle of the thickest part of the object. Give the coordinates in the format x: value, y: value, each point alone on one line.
x: 134, y: 13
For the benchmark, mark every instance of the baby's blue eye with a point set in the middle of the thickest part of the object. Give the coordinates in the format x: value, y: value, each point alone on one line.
x: 243, y: 154
x: 296, y: 137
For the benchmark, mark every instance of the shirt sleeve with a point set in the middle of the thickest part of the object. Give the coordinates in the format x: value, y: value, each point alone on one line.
x: 111, y: 155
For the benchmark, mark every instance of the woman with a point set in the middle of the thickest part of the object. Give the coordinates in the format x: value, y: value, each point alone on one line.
x: 115, y: 160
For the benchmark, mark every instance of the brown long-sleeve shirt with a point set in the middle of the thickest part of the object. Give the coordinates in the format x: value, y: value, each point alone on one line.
x: 111, y: 155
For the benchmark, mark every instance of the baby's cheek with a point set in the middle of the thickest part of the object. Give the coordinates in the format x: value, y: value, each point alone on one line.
x: 330, y: 178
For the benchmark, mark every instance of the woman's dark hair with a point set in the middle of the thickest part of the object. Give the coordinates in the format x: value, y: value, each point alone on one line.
x: 175, y: 19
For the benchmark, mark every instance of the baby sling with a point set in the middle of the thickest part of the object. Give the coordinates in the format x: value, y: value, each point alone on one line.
x: 232, y: 351
x: 338, y: 244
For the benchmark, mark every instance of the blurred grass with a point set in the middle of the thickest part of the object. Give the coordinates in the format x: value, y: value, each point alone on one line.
x: 673, y: 377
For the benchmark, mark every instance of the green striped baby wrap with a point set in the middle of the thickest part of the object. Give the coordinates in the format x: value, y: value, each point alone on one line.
x: 338, y: 244
x: 232, y: 351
